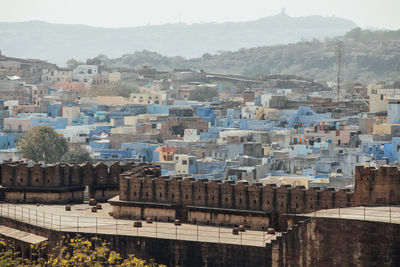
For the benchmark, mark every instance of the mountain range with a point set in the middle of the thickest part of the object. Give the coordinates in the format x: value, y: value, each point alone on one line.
x: 59, y: 42
x: 368, y: 56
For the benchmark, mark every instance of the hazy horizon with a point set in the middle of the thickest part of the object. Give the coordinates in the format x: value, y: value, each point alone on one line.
x: 125, y: 13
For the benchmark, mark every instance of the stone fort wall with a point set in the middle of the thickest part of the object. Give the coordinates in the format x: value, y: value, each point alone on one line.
x: 144, y: 184
x: 55, y: 182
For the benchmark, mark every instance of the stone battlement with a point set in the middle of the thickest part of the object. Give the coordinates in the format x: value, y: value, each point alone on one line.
x: 16, y: 174
x: 59, y: 183
x: 145, y: 193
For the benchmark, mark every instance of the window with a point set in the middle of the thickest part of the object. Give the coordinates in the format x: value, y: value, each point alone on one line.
x: 184, y: 162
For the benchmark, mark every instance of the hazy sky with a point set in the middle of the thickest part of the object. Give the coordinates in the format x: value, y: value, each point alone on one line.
x: 123, y: 13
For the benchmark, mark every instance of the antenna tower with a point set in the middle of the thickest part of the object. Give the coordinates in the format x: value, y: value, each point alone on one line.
x: 339, y: 51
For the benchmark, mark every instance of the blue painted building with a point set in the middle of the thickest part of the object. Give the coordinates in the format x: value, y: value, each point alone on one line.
x: 55, y: 123
x: 54, y: 110
x: 7, y: 141
x: 157, y: 109
x: 210, y: 167
x: 146, y: 151
x: 206, y: 113
x: 213, y: 133
x: 99, y: 144
x: 113, y: 154
x: 261, y: 125
x: 380, y: 150
x: 306, y: 116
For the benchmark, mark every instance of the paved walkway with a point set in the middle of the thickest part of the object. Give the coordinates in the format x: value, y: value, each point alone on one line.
x: 81, y: 219
x: 389, y: 214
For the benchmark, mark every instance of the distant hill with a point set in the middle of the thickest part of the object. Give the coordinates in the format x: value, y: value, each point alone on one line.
x: 58, y: 42
x: 369, y: 56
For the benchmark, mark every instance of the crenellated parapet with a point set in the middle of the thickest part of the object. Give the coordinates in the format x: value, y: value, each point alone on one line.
x: 145, y: 184
x: 17, y: 174
x: 43, y: 180
x: 145, y: 193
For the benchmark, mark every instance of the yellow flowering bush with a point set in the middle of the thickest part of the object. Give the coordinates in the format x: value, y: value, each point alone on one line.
x: 69, y: 252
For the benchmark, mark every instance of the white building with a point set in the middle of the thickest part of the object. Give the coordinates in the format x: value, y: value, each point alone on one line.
x: 85, y: 73
x: 77, y: 134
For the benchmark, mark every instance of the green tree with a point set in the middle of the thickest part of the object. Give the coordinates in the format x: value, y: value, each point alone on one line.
x: 124, y: 89
x: 72, y: 63
x: 93, y: 61
x: 78, y: 156
x: 203, y: 94
x: 42, y: 143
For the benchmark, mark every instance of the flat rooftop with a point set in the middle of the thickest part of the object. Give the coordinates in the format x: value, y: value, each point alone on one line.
x: 387, y: 214
x: 81, y: 220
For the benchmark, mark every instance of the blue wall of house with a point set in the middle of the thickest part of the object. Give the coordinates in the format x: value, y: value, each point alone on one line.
x: 55, y: 123
x: 379, y: 150
x: 142, y: 150
x: 99, y: 145
x: 210, y: 167
x: 7, y: 141
x: 111, y: 154
x: 54, y: 110
x: 206, y: 113
x: 395, y: 148
x: 157, y: 109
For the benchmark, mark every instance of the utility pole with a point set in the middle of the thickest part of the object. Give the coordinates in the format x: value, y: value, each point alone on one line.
x: 339, y: 51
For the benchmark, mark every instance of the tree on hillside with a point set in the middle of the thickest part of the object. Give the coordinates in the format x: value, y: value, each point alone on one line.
x: 203, y: 94
x: 124, y: 89
x: 93, y: 61
x: 78, y: 156
x: 42, y: 143
x: 72, y: 63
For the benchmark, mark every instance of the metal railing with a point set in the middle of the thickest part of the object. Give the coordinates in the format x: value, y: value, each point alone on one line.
x: 102, y: 225
x: 364, y: 211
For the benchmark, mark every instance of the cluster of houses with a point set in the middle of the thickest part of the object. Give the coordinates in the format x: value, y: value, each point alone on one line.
x: 274, y: 129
